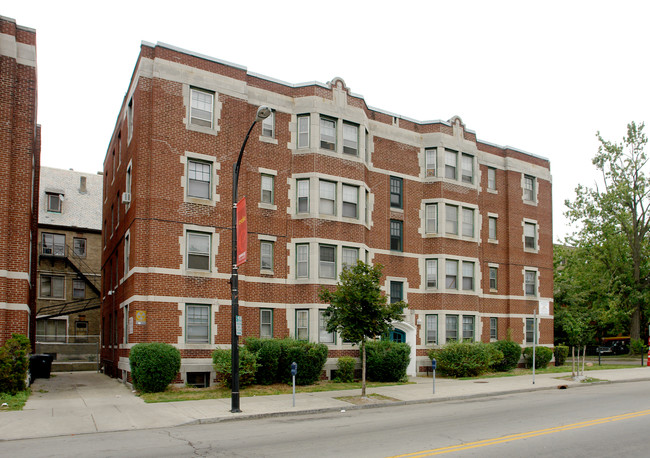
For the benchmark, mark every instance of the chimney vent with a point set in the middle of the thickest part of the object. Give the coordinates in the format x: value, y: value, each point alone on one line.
x: 82, y: 184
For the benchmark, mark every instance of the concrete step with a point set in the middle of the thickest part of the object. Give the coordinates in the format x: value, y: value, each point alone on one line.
x: 73, y: 366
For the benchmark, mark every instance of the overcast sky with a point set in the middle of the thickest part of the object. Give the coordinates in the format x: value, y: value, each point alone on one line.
x: 542, y: 77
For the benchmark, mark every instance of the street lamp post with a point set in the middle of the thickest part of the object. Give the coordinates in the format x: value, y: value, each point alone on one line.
x: 263, y: 112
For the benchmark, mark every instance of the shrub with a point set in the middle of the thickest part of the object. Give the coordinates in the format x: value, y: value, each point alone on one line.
x: 511, y: 355
x: 222, y: 361
x: 637, y: 347
x: 345, y: 372
x: 387, y: 361
x: 154, y: 366
x: 310, y: 358
x: 543, y: 356
x: 464, y: 359
x: 268, y: 353
x: 14, y: 362
x: 561, y: 352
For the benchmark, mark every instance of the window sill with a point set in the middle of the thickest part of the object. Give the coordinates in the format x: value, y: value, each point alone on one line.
x: 202, y: 201
x: 496, y: 242
x: 271, y: 140
x: 267, y: 206
x: 530, y: 250
x: 266, y: 272
x: 492, y: 191
x: 205, y: 130
x: 531, y: 202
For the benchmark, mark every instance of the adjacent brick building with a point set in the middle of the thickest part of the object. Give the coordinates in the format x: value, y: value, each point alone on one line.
x: 69, y: 250
x: 462, y: 226
x: 20, y: 145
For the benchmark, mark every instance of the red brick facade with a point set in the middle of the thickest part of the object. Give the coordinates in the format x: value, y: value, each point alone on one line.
x: 326, y: 178
x: 19, y: 169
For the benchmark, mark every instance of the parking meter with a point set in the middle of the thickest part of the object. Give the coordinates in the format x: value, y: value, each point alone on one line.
x: 434, y: 364
x: 294, y: 371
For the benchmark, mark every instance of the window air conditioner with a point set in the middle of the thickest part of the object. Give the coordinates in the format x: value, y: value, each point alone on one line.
x: 126, y: 197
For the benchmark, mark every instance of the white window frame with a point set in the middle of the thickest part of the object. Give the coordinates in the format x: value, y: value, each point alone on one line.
x: 127, y: 252
x: 467, y: 173
x: 492, y: 228
x: 324, y: 336
x: 469, y: 319
x: 302, y: 323
x: 302, y: 260
x: 202, y: 235
x: 267, y: 184
x: 451, y: 273
x: 494, y: 329
x: 431, y: 331
x: 493, y: 278
x: 83, y: 252
x: 468, y: 222
x: 303, y: 131
x: 530, y: 332
x: 196, y: 108
x: 199, y: 177
x: 203, y: 323
x: 346, y: 258
x: 451, y: 224
x: 350, y: 138
x: 529, y: 192
x: 54, y: 202
x: 322, y: 201
x: 468, y: 275
x: 529, y: 226
x: 430, y: 162
x: 530, y: 285
x: 266, y: 322
x: 491, y: 179
x: 327, y: 141
x: 326, y: 265
x: 451, y: 164
x: 266, y: 255
x: 449, y: 329
x: 268, y: 126
x: 431, y: 218
x: 350, y: 200
x: 302, y: 195
x: 431, y: 273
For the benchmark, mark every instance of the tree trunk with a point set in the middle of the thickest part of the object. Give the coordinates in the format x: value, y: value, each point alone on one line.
x: 363, y: 368
x: 573, y: 361
x: 635, y: 323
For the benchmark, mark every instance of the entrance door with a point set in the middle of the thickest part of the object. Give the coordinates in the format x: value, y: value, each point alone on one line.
x: 397, y: 335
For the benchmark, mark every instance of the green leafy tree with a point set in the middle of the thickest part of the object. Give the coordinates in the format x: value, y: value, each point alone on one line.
x: 358, y: 310
x: 614, y: 221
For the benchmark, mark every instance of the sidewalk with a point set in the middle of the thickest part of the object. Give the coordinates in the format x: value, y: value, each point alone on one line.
x: 89, y: 402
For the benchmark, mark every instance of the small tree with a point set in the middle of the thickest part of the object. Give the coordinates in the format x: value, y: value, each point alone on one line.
x: 358, y: 310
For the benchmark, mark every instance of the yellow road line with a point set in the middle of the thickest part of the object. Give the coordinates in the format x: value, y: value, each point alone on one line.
x: 526, y: 435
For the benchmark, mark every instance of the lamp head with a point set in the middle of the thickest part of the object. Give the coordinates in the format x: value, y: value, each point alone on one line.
x: 263, y: 112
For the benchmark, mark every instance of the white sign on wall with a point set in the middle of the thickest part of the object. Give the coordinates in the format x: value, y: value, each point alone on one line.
x: 544, y: 308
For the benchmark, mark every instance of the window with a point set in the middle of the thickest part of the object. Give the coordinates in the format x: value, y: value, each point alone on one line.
x: 492, y: 228
x: 197, y: 324
x: 266, y: 323
x: 468, y: 222
x: 451, y: 274
x: 302, y: 324
x: 350, y: 256
x: 197, y: 379
x: 302, y: 261
x: 112, y: 220
x: 432, y: 329
x: 328, y: 134
x: 350, y: 201
x: 268, y: 126
x: 78, y: 289
x: 493, y: 278
x: 323, y: 335
x: 303, y: 196
x: 327, y: 205
x: 327, y: 261
x: 468, y: 328
x: 119, y: 147
x: 51, y: 330
x: 492, y: 178
x: 467, y: 169
x: 198, y: 251
x: 529, y: 188
x: 432, y: 273
x: 451, y: 327
x: 494, y: 335
x: 79, y: 246
x: 201, y: 108
x: 430, y: 161
x: 127, y: 253
x: 396, y: 192
x: 396, y: 291
x: 529, y: 236
x: 198, y: 176
x: 129, y: 121
x: 530, y: 282
x: 530, y: 330
x: 267, y: 189
x: 395, y: 235
x: 451, y: 163
x: 451, y: 220
x: 53, y: 244
x: 266, y: 255
x: 52, y: 286
x: 350, y: 139
x: 431, y: 218
x: 54, y: 202
x: 128, y: 180
x: 468, y: 276
x: 303, y: 131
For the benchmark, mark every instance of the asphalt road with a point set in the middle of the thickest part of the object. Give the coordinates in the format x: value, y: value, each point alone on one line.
x: 599, y: 420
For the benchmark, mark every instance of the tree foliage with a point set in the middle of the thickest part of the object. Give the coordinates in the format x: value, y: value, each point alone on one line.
x: 358, y: 310
x: 606, y: 278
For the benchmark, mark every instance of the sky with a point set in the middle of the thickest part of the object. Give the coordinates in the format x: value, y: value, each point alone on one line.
x: 542, y: 77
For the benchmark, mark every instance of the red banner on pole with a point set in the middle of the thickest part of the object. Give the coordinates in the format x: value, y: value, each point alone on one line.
x: 242, y: 232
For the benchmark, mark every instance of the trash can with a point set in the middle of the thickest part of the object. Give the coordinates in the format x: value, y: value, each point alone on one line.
x: 40, y: 366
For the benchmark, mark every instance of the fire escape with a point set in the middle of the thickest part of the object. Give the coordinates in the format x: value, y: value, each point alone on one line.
x: 61, y: 252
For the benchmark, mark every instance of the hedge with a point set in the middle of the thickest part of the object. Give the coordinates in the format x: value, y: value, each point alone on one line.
x: 222, y: 361
x: 387, y: 361
x: 14, y: 363
x: 464, y: 359
x: 154, y: 366
x: 561, y: 352
x: 345, y: 371
x: 511, y: 355
x: 543, y: 356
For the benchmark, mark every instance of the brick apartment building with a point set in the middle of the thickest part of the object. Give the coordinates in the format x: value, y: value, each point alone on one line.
x: 69, y: 256
x: 462, y: 226
x: 20, y: 152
